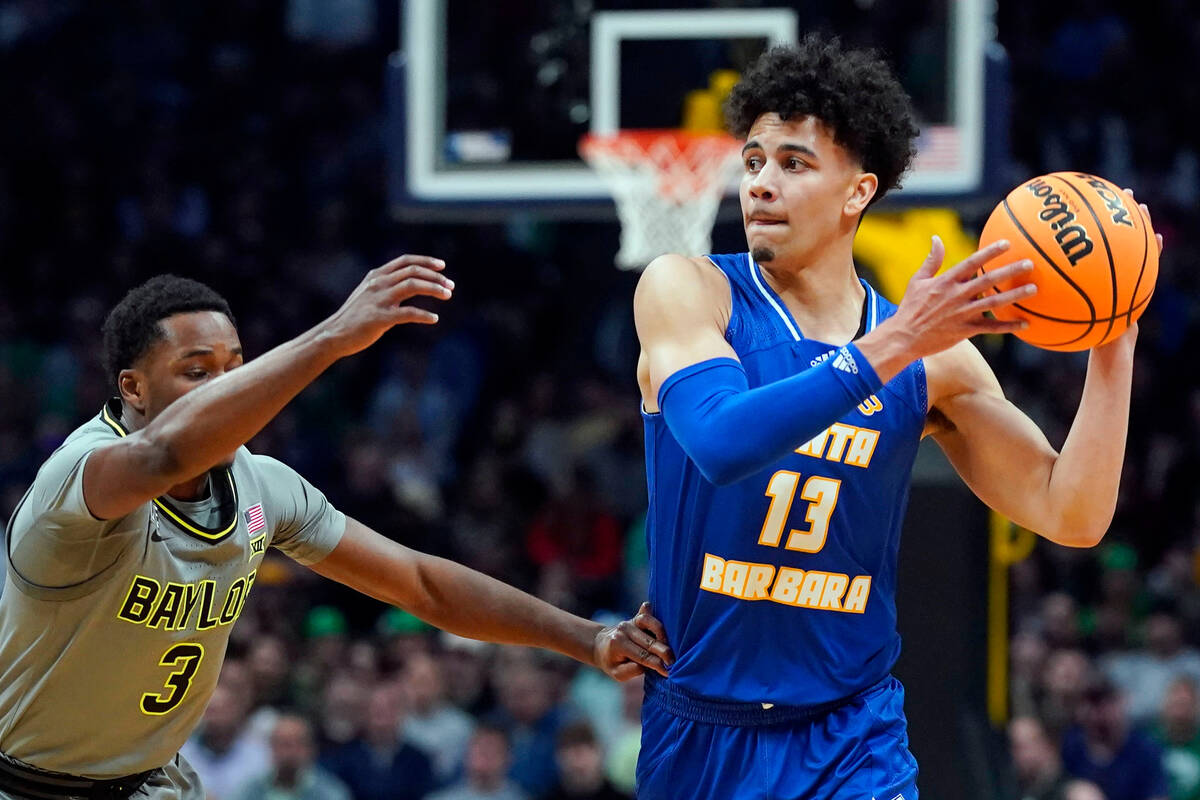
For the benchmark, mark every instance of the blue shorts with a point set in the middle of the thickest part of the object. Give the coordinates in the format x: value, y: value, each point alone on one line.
x: 857, y: 750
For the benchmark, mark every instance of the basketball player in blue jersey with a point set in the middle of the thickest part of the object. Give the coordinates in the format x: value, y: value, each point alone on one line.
x: 784, y: 400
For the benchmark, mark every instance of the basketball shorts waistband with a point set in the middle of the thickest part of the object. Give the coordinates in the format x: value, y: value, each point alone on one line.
x: 689, y: 705
x: 27, y: 781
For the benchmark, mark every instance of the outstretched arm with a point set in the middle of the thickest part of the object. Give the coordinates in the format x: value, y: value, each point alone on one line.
x: 1067, y: 497
x: 462, y: 601
x: 206, y: 424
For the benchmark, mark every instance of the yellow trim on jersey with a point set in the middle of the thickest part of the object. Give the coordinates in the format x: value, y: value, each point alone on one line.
x: 190, y: 528
x: 170, y: 512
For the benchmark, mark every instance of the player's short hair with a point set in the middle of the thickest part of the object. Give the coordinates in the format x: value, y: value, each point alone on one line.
x: 854, y: 92
x: 132, y: 327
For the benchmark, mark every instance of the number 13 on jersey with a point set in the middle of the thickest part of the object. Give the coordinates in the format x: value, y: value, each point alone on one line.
x: 822, y: 496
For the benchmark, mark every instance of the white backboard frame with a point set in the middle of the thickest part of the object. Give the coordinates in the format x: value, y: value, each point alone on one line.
x: 428, y: 179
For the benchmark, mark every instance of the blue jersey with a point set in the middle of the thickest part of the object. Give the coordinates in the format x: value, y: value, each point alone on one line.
x: 781, y: 587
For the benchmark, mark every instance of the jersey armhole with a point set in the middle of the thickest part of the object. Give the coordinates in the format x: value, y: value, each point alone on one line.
x: 731, y: 325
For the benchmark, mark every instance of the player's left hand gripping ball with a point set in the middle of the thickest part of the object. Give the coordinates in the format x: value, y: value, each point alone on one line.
x: 625, y: 650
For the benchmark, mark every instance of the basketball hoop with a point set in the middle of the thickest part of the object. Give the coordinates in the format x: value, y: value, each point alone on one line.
x: 667, y: 185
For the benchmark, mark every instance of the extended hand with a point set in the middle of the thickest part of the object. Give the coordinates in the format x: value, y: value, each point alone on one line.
x: 375, y: 305
x: 942, y: 310
x: 624, y: 650
x: 939, y: 311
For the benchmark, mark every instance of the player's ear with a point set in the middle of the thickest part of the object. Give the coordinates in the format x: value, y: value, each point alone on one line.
x: 132, y: 384
x: 862, y: 188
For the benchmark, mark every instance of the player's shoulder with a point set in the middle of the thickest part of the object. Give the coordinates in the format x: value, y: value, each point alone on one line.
x: 264, y: 467
x: 677, y: 281
x: 89, y: 436
x: 672, y: 267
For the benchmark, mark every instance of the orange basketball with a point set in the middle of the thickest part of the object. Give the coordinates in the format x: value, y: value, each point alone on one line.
x: 1094, y: 257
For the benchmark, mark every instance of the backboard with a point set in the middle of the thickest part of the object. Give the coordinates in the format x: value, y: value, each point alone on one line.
x: 487, y: 101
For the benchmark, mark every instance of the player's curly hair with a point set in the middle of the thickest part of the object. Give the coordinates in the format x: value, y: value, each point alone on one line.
x: 854, y: 92
x: 132, y: 327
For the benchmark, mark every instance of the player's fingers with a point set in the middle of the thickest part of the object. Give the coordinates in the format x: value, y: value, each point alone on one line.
x: 933, y: 262
x: 637, y: 634
x: 403, y: 315
x: 1145, y: 208
x: 1158, y: 238
x: 641, y: 655
x: 967, y: 268
x: 626, y: 671
x: 984, y: 281
x: 646, y: 620
x: 990, y: 325
x: 415, y: 287
x: 997, y: 299
x: 417, y: 272
x: 408, y: 260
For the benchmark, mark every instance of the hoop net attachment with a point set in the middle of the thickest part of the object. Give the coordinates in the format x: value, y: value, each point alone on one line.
x: 667, y: 185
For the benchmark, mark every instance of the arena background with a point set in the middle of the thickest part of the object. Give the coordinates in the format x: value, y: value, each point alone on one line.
x: 259, y: 146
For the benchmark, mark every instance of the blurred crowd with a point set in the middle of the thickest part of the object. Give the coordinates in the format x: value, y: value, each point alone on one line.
x: 242, y: 142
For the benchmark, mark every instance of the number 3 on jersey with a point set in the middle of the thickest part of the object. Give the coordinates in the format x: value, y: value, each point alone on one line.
x: 821, y: 494
x: 187, y: 657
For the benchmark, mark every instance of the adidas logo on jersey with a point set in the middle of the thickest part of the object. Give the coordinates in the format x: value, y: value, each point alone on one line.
x: 845, y: 362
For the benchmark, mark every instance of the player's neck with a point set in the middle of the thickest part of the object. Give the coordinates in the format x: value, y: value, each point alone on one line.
x: 823, y: 293
x: 189, y: 490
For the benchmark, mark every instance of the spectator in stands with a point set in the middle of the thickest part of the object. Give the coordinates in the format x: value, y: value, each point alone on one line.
x: 1060, y: 621
x: 1064, y: 677
x: 402, y: 636
x: 1105, y: 749
x: 528, y: 709
x: 464, y: 662
x: 224, y: 752
x: 343, y: 712
x: 1036, y: 761
x: 379, y: 766
x: 325, y: 645
x: 580, y: 760
x: 487, y: 764
x: 1027, y: 667
x: 270, y: 679
x: 432, y: 724
x: 576, y: 535
x: 294, y: 773
x: 1178, y: 733
x: 1144, y: 675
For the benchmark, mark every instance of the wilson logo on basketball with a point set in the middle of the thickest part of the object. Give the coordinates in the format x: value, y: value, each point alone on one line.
x: 1072, y: 239
x: 1112, y: 201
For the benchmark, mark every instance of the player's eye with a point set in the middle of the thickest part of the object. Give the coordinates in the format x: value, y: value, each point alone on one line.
x: 753, y: 163
x: 795, y: 163
x: 195, y: 373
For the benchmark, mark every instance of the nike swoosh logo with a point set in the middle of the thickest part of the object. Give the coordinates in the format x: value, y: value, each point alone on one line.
x: 155, y: 537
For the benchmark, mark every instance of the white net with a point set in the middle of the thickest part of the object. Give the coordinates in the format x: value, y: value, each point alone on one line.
x: 667, y: 186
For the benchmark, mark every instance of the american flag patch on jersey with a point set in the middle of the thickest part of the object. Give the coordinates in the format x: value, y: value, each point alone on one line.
x: 255, y: 521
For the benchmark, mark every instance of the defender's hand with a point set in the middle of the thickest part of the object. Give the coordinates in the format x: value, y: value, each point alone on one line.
x: 375, y: 305
x: 625, y: 650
